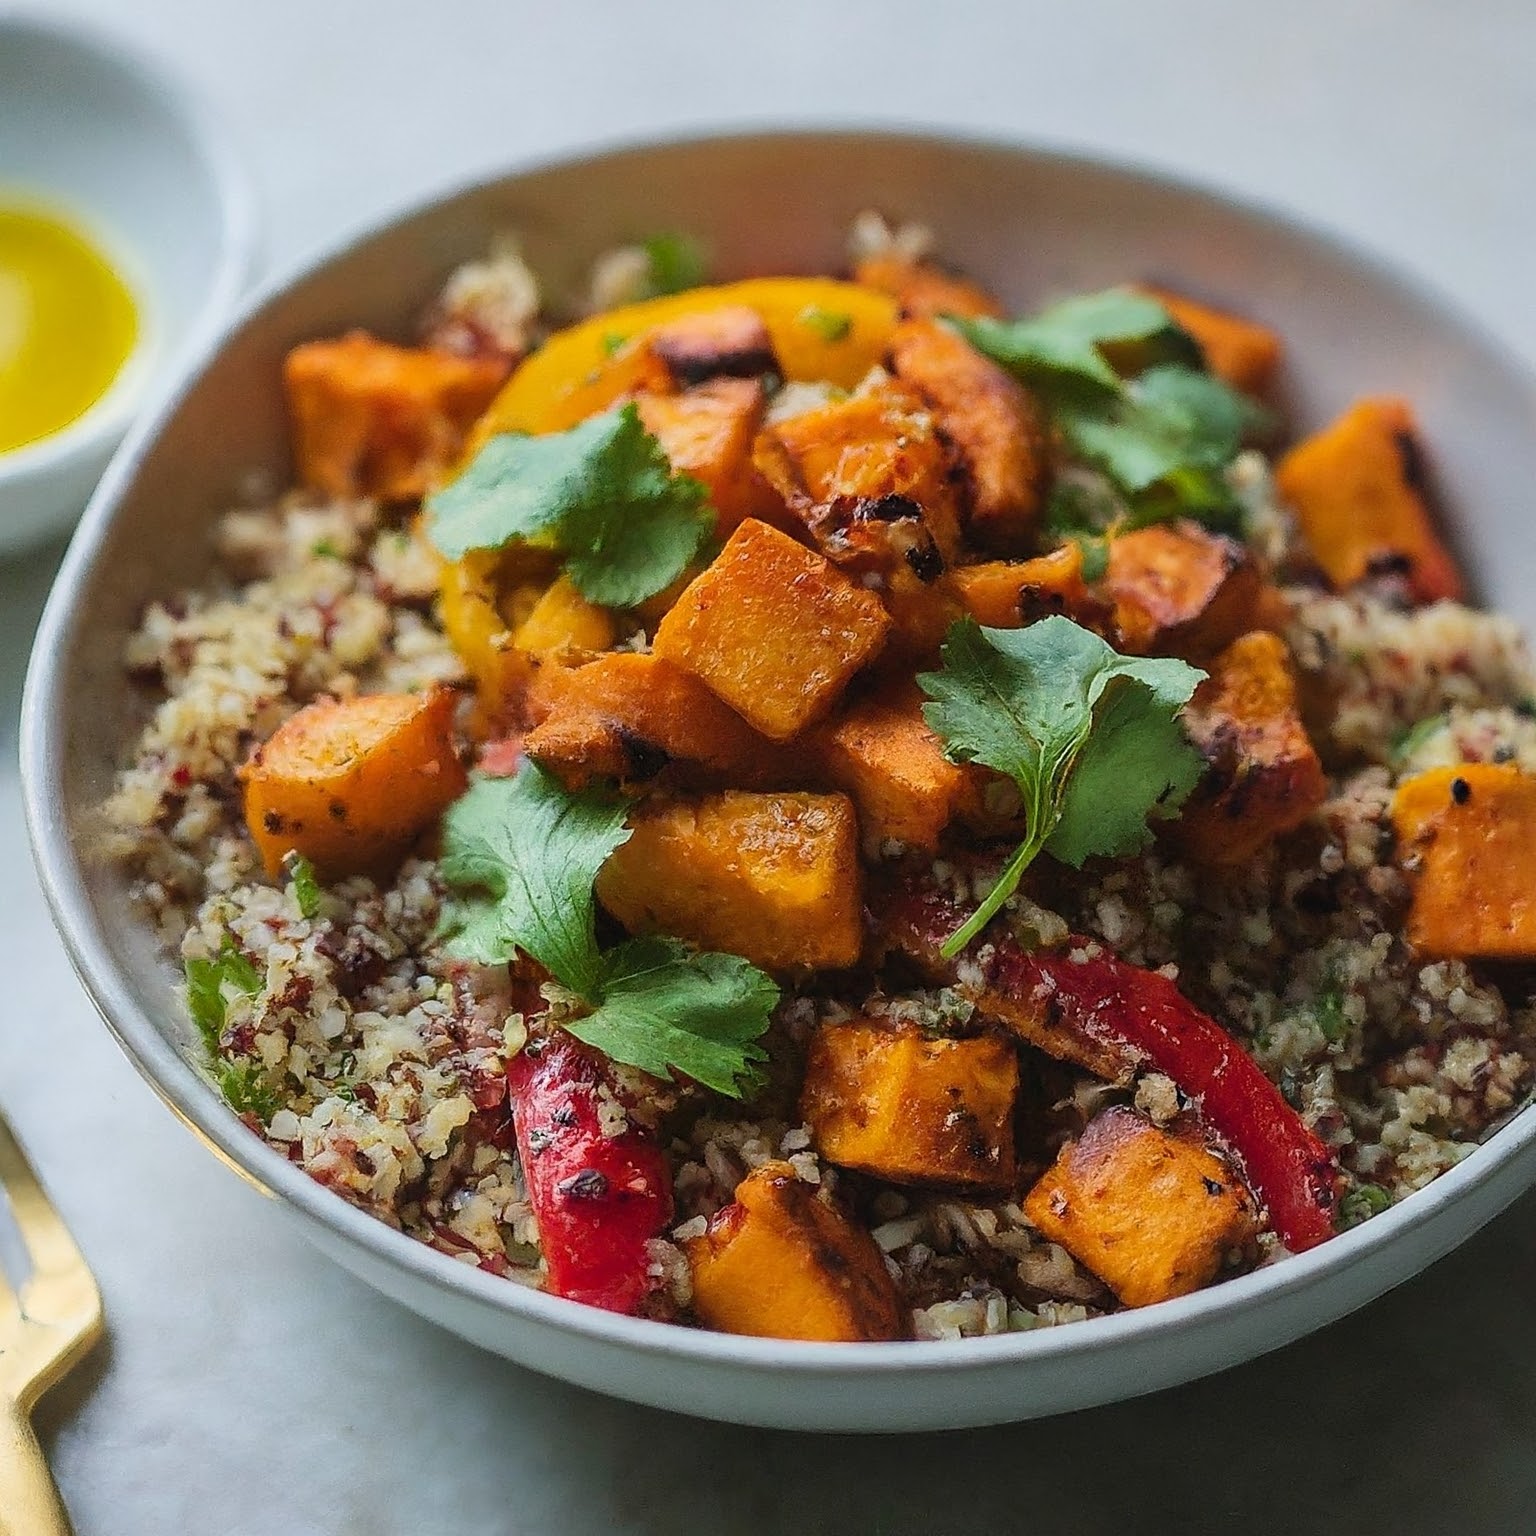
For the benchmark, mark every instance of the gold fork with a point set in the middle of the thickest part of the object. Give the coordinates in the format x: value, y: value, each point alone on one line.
x: 46, y: 1327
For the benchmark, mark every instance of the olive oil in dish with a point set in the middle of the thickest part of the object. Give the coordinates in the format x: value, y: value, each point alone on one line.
x: 68, y: 322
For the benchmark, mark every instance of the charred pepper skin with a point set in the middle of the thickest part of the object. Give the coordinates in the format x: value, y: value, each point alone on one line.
x: 598, y: 1199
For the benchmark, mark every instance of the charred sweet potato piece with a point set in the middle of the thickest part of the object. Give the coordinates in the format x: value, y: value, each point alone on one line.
x: 627, y: 716
x: 1469, y: 835
x: 1357, y: 488
x: 351, y: 783
x: 923, y: 290
x: 1241, y: 352
x: 781, y: 1262
x: 1007, y: 594
x: 1180, y: 590
x: 892, y: 1101
x: 868, y: 478
x: 881, y: 752
x: 728, y: 342
x: 774, y: 877
x: 1264, y: 777
x: 996, y: 426
x: 1151, y: 1214
x: 773, y: 629
x: 708, y: 432
x: 371, y: 419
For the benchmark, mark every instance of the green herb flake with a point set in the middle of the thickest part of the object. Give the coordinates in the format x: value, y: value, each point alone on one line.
x: 674, y: 263
x: 210, y: 985
x: 1361, y: 1203
x: 1091, y: 738
x: 603, y: 494
x: 666, y: 1009
x: 831, y: 325
x: 247, y: 1090
x: 325, y: 549
x: 303, y: 884
x: 1328, y: 1014
x: 520, y: 856
x: 1408, y: 742
x: 612, y: 342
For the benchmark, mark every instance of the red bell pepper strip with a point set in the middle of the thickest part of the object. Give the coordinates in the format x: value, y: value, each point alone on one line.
x: 597, y: 1198
x: 1290, y: 1170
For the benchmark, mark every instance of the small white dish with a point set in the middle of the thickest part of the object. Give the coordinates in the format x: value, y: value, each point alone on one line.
x: 125, y: 155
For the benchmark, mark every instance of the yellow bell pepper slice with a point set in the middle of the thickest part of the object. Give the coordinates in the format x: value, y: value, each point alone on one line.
x: 821, y: 329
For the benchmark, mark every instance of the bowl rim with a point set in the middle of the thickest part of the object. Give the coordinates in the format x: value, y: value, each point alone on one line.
x: 146, y: 371
x: 195, y: 1101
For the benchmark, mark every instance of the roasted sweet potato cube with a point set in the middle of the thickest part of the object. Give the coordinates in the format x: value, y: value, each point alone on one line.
x: 1241, y: 352
x: 781, y: 1262
x: 922, y: 289
x: 881, y: 752
x: 1469, y: 835
x: 892, y: 1101
x: 1357, y: 488
x: 1152, y: 1214
x: 351, y: 783
x: 1263, y: 777
x: 1007, y: 594
x: 708, y: 432
x: 563, y: 624
x: 371, y: 419
x: 868, y: 478
x: 729, y: 342
x: 1180, y: 590
x: 773, y: 629
x: 996, y: 425
x: 773, y: 877
x: 630, y: 717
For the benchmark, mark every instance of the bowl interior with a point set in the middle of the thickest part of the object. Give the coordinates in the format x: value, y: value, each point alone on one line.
x: 1029, y: 225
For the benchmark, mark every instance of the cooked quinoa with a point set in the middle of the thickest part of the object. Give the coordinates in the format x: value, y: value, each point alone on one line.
x: 378, y: 1064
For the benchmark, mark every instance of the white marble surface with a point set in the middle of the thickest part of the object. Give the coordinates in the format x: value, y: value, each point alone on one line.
x: 249, y: 1387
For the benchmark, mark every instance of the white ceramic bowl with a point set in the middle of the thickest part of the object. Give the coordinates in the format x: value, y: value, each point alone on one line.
x: 111, y: 142
x: 1027, y: 224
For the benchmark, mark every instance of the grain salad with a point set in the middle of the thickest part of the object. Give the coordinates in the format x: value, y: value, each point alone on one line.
x: 808, y: 807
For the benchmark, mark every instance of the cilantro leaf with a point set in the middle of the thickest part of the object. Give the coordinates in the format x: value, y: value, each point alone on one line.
x: 667, y: 1010
x: 603, y: 494
x: 831, y: 325
x: 519, y: 857
x: 1061, y: 347
x: 306, y: 888
x: 1091, y: 738
x: 675, y: 263
x: 209, y: 985
x: 247, y: 1090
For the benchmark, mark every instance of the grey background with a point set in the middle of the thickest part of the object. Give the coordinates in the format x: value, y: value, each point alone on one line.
x: 249, y: 1387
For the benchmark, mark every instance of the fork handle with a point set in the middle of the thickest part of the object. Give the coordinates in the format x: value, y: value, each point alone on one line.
x: 29, y: 1501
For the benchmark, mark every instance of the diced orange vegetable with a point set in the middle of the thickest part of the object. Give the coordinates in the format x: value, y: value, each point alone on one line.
x: 881, y: 752
x: 869, y: 479
x: 1469, y: 834
x: 580, y: 371
x: 894, y: 1102
x: 1151, y: 1214
x: 728, y: 342
x: 627, y: 716
x: 562, y: 625
x: 1006, y: 594
x: 996, y: 426
x: 1180, y: 590
x: 1264, y: 777
x: 708, y: 433
x: 773, y: 629
x: 351, y: 783
x: 781, y: 1262
x: 924, y: 290
x: 371, y: 419
x: 1239, y: 351
x: 1357, y: 488
x: 772, y: 877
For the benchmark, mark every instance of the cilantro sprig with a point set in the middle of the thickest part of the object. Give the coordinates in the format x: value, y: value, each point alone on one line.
x: 212, y: 983
x: 1162, y: 437
x: 520, y: 857
x: 602, y: 493
x: 1091, y: 738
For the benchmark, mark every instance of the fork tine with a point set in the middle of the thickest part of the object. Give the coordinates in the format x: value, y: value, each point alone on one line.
x: 51, y: 1248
